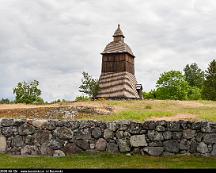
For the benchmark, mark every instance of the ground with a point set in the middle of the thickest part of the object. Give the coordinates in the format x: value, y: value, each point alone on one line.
x: 136, y: 110
x: 105, y: 160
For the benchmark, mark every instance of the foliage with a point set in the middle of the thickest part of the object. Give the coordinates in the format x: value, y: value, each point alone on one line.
x: 172, y: 85
x: 209, y: 88
x: 5, y: 101
x: 89, y: 85
x: 82, y: 98
x: 149, y: 95
x: 28, y: 92
x: 194, y: 93
x: 194, y: 75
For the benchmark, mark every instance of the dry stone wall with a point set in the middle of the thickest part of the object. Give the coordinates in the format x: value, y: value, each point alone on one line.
x: 60, y: 138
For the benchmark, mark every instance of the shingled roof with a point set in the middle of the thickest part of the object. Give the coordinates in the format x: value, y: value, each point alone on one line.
x: 118, y: 46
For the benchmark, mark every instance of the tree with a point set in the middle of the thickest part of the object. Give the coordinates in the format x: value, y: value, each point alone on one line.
x: 172, y: 85
x: 194, y: 93
x: 89, y: 85
x: 209, y: 88
x: 149, y: 95
x: 194, y: 75
x: 28, y: 92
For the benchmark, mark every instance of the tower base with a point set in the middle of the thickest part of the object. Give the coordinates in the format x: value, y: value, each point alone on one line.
x: 120, y: 85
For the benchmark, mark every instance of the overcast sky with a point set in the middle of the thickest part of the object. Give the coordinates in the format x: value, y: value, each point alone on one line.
x: 54, y: 41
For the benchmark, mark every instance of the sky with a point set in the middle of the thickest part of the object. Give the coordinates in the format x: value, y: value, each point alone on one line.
x: 54, y: 41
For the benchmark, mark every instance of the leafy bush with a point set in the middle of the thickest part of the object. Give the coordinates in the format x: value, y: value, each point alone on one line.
x: 194, y: 93
x: 149, y: 95
x: 172, y: 85
x: 82, y: 98
x: 28, y: 93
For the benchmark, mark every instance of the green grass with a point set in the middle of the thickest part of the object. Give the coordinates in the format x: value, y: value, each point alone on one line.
x: 105, y: 160
x: 142, y: 110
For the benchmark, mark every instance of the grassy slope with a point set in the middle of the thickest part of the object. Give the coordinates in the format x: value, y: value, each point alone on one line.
x: 103, y: 160
x: 143, y: 110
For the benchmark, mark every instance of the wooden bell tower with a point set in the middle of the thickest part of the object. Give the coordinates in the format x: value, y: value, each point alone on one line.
x: 117, y: 80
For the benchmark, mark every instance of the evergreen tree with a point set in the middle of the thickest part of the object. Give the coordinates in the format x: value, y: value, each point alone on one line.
x: 209, y: 88
x: 194, y: 75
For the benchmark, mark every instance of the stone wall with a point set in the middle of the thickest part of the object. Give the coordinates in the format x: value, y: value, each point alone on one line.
x: 60, y: 138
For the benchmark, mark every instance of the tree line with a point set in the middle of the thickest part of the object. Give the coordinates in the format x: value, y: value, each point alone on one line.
x: 191, y: 84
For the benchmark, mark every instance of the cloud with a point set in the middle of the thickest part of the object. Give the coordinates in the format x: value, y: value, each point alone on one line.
x: 54, y: 41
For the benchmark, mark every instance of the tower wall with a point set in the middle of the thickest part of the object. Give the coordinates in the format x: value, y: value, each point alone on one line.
x: 117, y: 62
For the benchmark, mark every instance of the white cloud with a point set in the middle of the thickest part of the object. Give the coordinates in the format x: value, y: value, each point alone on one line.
x: 54, y: 41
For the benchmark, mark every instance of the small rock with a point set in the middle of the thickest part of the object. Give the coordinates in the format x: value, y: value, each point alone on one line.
x: 83, y: 144
x: 63, y: 133
x: 123, y: 145
x: 3, y: 144
x: 7, y: 122
x: 101, y: 144
x: 112, y: 147
x: 58, y: 153
x: 188, y: 134
x: 210, y: 138
x: 96, y: 132
x: 138, y: 140
x: 160, y: 128
x: 154, y: 151
x: 171, y: 146
x: 202, y: 148
x: 71, y: 148
x: 108, y: 134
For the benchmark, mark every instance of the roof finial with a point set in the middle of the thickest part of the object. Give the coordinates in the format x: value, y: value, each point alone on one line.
x: 118, y: 26
x: 118, y: 32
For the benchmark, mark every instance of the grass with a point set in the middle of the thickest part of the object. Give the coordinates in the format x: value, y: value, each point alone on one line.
x: 105, y: 160
x: 141, y: 110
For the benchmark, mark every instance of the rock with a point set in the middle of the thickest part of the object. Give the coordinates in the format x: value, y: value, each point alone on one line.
x: 138, y: 141
x: 38, y: 123
x: 92, y: 146
x: 210, y: 138
x: 19, y: 122
x: 188, y: 134
x: 135, y: 128
x: 154, y: 151
x: 96, y: 132
x: 58, y: 153
x: 151, y: 125
x: 42, y: 136
x: 46, y: 150
x: 202, y: 148
x: 154, y: 135
x: 199, y: 137
x: 9, y: 131
x: 7, y: 122
x: 49, y: 125
x: 173, y: 126
x: 108, y: 134
x: 26, y: 129
x: 112, y: 126
x: 112, y: 147
x: 124, y: 125
x: 56, y: 144
x: 205, y: 127
x: 3, y: 144
x: 83, y: 144
x: 128, y: 154
x: 136, y: 151
x: 155, y: 144
x: 176, y: 135
x: 29, y: 150
x: 196, y: 126
x: 63, y: 133
x: 17, y: 141
x: 124, y: 145
x: 167, y: 135
x: 71, y: 148
x: 213, y: 153
x: 84, y: 134
x: 119, y: 134
x: 74, y: 125
x: 193, y: 146
x: 160, y: 128
x: 29, y: 140
x: 184, y: 144
x: 171, y: 146
x: 101, y: 144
